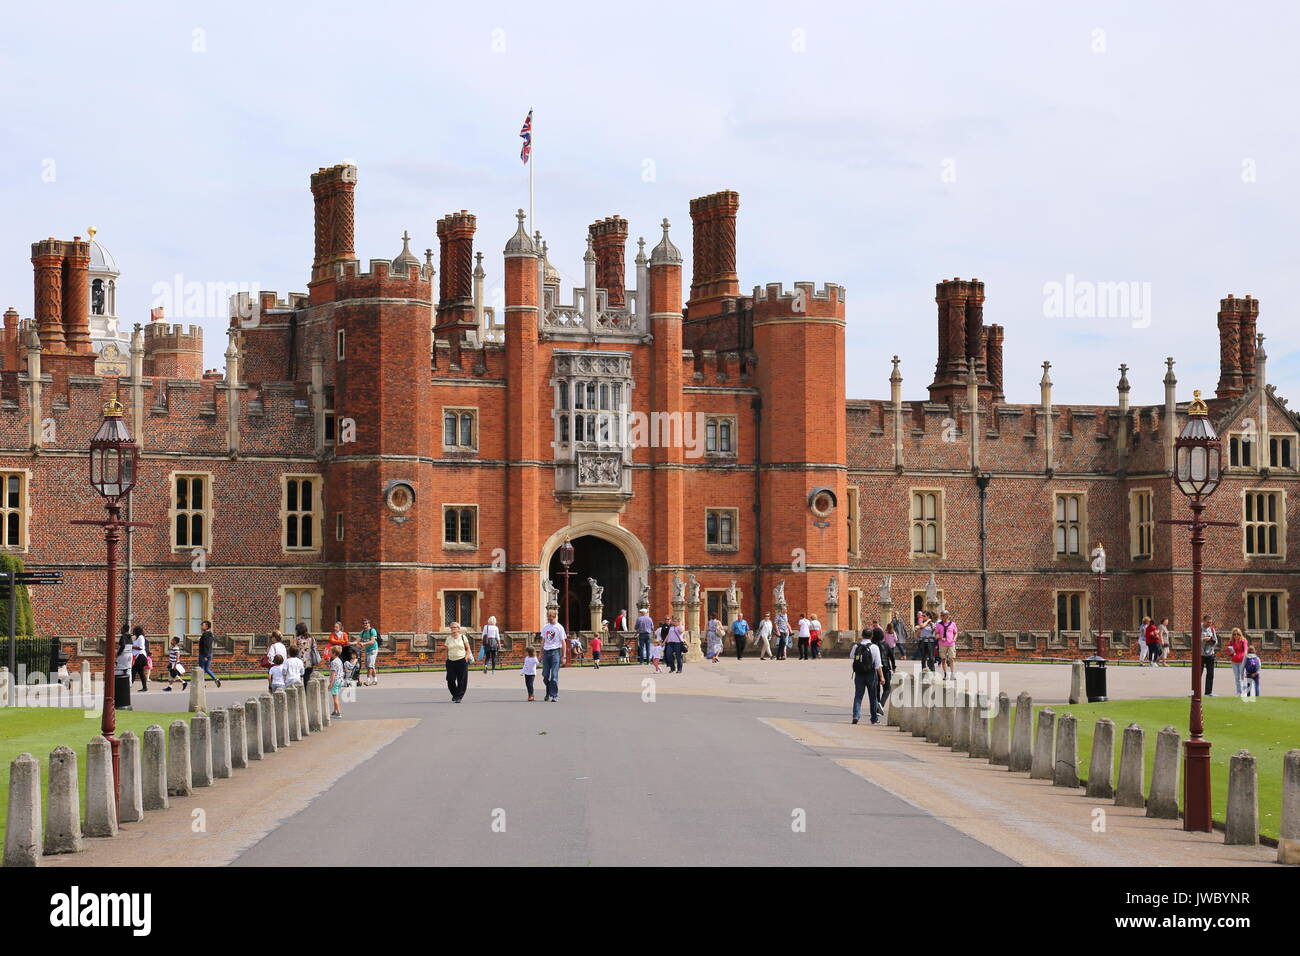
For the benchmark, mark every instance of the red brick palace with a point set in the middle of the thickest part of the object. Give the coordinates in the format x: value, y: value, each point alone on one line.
x: 383, y: 446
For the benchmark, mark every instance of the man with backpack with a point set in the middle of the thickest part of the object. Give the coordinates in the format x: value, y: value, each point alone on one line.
x: 867, y: 675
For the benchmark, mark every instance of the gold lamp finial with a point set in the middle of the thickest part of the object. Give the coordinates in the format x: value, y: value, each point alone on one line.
x: 1198, y: 408
x: 90, y: 231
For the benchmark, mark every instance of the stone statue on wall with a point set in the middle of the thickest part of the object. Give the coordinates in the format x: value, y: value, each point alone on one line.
x: 733, y: 599
x: 778, y: 593
x: 679, y: 589
x: 644, y: 601
x: 597, y: 592
x: 552, y: 594
x: 886, y: 596
x: 694, y: 591
x: 833, y: 592
x: 931, y: 593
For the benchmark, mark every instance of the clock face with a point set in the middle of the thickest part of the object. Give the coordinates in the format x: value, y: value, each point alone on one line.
x: 400, y: 497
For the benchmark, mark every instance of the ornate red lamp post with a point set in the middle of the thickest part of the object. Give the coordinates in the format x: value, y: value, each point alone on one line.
x: 1197, y: 459
x: 113, y: 459
x: 566, y: 560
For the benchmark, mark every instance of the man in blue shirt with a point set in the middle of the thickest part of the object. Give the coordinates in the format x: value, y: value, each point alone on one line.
x: 739, y: 630
x: 645, y: 626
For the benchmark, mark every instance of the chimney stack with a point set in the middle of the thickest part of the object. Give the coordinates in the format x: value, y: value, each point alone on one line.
x: 76, y: 296
x: 609, y: 239
x: 1237, y: 319
x: 456, y: 282
x: 332, y: 190
x: 47, y: 260
x: 713, y: 220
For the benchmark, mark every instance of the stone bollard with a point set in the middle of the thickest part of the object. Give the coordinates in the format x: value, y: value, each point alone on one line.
x: 154, y: 771
x: 1288, y: 846
x: 1101, y: 768
x: 1132, y: 768
x: 291, y: 699
x: 130, y: 805
x: 198, y: 692
x: 924, y: 704
x: 892, y: 715
x: 63, y: 810
x: 1040, y: 767
x: 947, y: 707
x: 304, y: 722
x: 180, y: 782
x: 1021, y: 759
x: 101, y: 801
x: 23, y: 820
x: 325, y: 705
x: 1065, y: 771
x: 253, y: 733
x: 1000, y: 733
x: 1162, y: 802
x: 86, y: 684
x: 313, y: 705
x: 979, y: 727
x: 934, y: 714
x: 266, y: 713
x: 220, y: 719
x: 1076, y: 682
x: 961, y: 724
x: 1241, y: 827
x: 5, y: 683
x: 238, y: 737
x: 281, y: 708
x: 200, y: 751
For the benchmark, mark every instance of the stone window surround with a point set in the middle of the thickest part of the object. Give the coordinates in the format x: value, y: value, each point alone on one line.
x: 207, y: 511
x: 1136, y: 524
x: 317, y: 517
x: 734, y: 546
x: 1082, y: 521
x: 459, y: 545
x: 24, y: 508
x: 317, y: 605
x: 939, y: 521
x: 1282, y: 610
x: 1280, y: 554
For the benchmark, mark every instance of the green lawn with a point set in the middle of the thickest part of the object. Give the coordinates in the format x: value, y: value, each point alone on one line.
x: 1267, y: 727
x: 38, y: 730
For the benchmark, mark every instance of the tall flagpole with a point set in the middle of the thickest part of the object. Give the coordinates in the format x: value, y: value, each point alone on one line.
x: 532, y: 159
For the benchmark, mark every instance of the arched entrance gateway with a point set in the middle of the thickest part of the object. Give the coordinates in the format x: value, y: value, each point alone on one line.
x: 609, y: 554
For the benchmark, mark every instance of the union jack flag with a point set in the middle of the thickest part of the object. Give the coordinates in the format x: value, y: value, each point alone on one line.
x: 526, y: 134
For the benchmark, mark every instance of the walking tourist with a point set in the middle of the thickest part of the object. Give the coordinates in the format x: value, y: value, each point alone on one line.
x: 175, y: 669
x: 336, y: 683
x: 814, y: 638
x: 596, y: 645
x: 575, y: 648
x: 206, y: 639
x: 866, y: 677
x: 491, y: 644
x: 657, y: 652
x: 782, y: 634
x: 529, y: 669
x: 307, y: 649
x: 276, y: 648
x: 369, y: 641
x: 900, y: 631
x: 1165, y: 646
x: 715, y: 641
x: 552, y: 651
x: 925, y: 642
x: 1250, y: 673
x: 945, y: 632
x: 1238, y: 648
x: 276, y: 673
x: 675, y: 645
x: 645, y: 626
x: 293, y: 667
x: 739, y: 631
x: 1144, y: 651
x: 140, y: 662
x: 1151, y: 636
x: 764, y: 637
x: 805, y: 631
x: 458, y: 655
x: 886, y: 657
x: 122, y: 665
x: 1209, y: 644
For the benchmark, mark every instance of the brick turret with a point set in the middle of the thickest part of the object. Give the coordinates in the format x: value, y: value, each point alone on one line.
x: 175, y: 351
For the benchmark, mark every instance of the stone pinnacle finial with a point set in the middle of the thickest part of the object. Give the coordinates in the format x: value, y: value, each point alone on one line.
x: 640, y: 250
x: 1123, y: 378
x: 1046, y: 379
x: 1169, y: 371
x: 520, y: 244
x: 895, y: 376
x: 478, y: 266
x: 590, y: 254
x: 665, y: 253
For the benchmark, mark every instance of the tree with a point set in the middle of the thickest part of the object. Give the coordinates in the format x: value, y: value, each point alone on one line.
x: 25, y: 625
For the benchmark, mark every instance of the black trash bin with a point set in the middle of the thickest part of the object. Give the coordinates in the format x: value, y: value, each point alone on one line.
x: 1094, y: 678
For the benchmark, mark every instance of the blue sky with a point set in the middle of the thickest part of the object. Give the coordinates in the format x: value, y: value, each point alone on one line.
x: 883, y: 147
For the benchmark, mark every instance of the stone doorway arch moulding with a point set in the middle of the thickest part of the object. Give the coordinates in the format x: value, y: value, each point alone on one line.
x: 638, y: 561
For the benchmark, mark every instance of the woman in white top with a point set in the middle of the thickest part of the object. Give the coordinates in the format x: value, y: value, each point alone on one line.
x: 491, y: 644
x: 805, y: 632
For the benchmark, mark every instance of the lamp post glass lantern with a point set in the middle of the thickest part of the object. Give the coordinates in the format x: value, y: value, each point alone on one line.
x: 1197, y: 461
x: 114, y: 456
x: 566, y: 560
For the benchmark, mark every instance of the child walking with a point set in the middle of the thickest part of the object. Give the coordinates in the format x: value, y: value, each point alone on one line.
x: 174, y: 666
x: 657, y: 652
x: 336, y: 682
x: 596, y: 645
x: 529, y: 669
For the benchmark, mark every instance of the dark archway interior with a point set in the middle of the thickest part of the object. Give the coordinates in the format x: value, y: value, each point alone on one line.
x: 592, y: 558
